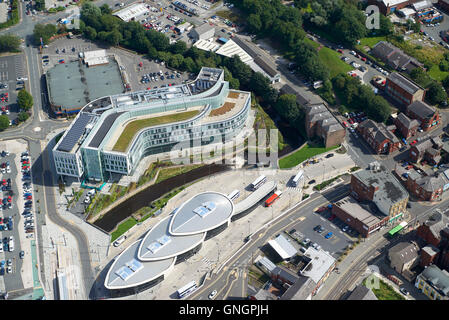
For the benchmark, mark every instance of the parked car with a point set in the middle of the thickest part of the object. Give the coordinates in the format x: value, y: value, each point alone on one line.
x: 212, y: 294
x: 404, y: 291
x: 328, y: 235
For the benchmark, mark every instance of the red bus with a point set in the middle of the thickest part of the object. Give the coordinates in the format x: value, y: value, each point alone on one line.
x: 273, y: 198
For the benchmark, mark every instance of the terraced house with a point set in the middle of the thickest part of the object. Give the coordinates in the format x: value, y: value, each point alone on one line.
x: 112, y: 134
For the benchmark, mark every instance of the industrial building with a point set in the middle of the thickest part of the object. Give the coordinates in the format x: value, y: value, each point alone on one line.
x: 113, y: 133
x: 132, y: 12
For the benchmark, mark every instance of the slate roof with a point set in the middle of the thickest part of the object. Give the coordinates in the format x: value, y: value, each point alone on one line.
x: 406, y: 121
x: 421, y: 109
x: 404, y: 83
x: 362, y: 293
x: 378, y: 131
x: 393, y: 56
x: 404, y: 251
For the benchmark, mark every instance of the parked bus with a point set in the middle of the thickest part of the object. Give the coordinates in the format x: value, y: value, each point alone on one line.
x: 273, y: 198
x: 298, y: 177
x: 396, y: 229
x: 234, y: 194
x: 258, y: 182
x: 188, y: 288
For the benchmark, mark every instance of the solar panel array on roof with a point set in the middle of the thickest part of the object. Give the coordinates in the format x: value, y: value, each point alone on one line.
x: 75, y: 132
x: 103, y: 130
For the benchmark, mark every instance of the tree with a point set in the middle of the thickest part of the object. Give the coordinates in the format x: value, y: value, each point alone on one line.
x: 9, y: 43
x: 4, y: 122
x: 114, y: 37
x: 254, y: 23
x: 105, y: 9
x: 23, y: 116
x: 90, y: 33
x: 175, y: 61
x: 436, y: 94
x: 178, y: 47
x: 44, y: 31
x: 24, y: 100
x: 288, y: 109
x: 444, y: 65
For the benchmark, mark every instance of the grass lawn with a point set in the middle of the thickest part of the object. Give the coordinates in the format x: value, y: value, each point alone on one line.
x: 371, y: 41
x: 133, y: 127
x: 310, y: 41
x: 302, y: 154
x: 436, y: 74
x: 386, y: 292
x: 331, y: 59
x: 166, y: 173
x: 122, y: 228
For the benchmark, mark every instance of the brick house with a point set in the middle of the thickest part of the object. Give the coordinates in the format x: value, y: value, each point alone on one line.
x: 406, y: 126
x: 320, y: 122
x: 379, y: 136
x: 426, y: 188
x: 434, y: 232
x: 428, y: 116
x: 403, y: 90
x: 383, y: 189
x: 427, y: 149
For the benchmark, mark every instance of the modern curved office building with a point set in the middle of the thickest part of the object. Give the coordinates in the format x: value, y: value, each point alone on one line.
x: 112, y: 134
x: 171, y: 241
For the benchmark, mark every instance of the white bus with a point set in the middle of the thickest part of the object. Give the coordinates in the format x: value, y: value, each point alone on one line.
x: 258, y: 182
x: 298, y: 177
x: 234, y: 194
x: 188, y: 288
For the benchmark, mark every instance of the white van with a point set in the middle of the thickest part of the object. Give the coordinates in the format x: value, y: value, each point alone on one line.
x: 11, y: 244
x: 119, y: 241
x: 91, y: 192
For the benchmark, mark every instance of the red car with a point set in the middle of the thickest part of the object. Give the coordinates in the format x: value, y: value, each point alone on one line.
x: 9, y: 198
x: 339, y: 50
x: 332, y: 217
x: 363, y: 59
x: 29, y: 197
x: 413, y: 143
x: 345, y: 124
x: 351, y: 121
x: 321, y: 209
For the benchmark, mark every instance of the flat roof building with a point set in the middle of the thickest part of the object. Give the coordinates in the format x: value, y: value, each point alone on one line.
x: 352, y: 213
x: 113, y: 133
x: 72, y: 85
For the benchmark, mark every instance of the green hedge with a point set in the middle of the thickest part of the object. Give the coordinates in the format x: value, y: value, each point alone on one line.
x: 14, y: 16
